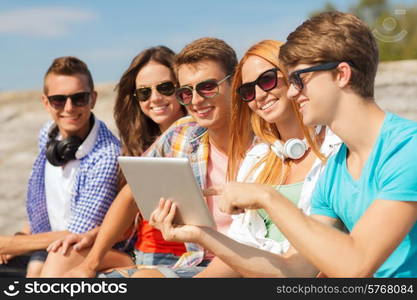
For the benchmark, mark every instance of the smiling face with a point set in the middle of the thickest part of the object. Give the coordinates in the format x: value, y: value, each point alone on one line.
x: 273, y: 106
x: 71, y: 120
x: 317, y: 99
x: 162, y: 109
x: 211, y: 113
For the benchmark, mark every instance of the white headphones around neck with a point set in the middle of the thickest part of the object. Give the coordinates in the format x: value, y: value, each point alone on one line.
x: 293, y: 148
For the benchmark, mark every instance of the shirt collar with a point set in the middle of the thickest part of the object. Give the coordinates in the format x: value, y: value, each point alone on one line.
x: 89, y: 142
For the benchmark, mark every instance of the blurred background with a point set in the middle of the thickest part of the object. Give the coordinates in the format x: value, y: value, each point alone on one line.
x: 108, y: 34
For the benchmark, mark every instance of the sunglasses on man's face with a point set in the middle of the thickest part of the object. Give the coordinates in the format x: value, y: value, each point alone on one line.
x: 206, y: 89
x: 77, y: 99
x: 296, y: 80
x: 144, y: 93
x: 267, y: 81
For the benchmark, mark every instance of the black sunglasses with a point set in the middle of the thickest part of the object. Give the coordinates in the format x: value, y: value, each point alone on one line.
x: 77, y: 99
x: 144, y: 93
x: 297, y: 81
x: 267, y: 81
x: 206, y: 89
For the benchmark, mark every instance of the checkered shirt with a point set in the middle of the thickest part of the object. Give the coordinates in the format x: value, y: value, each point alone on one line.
x: 94, y: 188
x: 185, y: 138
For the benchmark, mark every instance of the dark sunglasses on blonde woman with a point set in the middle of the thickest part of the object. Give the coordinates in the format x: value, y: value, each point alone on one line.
x: 144, y: 93
x: 77, y: 99
x: 267, y: 81
x: 206, y: 89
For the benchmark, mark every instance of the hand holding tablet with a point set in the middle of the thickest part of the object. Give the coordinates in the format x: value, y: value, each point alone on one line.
x: 151, y: 178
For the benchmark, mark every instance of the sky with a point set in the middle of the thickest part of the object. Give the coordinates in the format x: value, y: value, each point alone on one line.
x: 108, y: 34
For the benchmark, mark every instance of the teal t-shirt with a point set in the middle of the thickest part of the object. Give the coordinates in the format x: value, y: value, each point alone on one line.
x: 291, y: 192
x: 390, y: 173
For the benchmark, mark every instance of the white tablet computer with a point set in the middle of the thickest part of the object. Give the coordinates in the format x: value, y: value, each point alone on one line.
x: 151, y: 178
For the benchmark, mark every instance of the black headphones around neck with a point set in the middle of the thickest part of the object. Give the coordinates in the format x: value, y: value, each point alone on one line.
x: 59, y: 152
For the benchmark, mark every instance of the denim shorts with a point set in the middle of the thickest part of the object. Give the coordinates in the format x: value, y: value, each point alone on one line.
x: 143, y: 259
x: 187, y: 272
x: 39, y: 255
x: 154, y: 259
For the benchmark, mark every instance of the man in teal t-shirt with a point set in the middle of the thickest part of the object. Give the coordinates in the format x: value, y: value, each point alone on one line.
x: 369, y: 187
x: 389, y: 173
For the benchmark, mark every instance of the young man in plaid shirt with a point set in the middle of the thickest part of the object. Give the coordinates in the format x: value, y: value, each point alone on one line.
x: 73, y: 180
x: 205, y: 69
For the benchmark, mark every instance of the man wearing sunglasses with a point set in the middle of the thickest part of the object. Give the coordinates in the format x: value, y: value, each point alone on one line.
x: 73, y: 180
x: 204, y: 70
x: 369, y: 186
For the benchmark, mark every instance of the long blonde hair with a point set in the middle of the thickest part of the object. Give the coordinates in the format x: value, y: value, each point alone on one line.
x: 245, y: 124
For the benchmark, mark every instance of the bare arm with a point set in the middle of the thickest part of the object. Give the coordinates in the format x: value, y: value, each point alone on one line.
x: 20, y: 244
x: 217, y: 268
x: 253, y: 262
x: 324, y: 245
x: 241, y: 260
x: 119, y: 217
x: 4, y: 258
x: 78, y: 241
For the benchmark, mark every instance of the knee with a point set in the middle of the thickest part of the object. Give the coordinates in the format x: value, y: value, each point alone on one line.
x: 34, y: 269
x: 57, y: 264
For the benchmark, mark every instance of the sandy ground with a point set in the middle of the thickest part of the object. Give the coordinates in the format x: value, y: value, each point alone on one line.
x: 22, y: 115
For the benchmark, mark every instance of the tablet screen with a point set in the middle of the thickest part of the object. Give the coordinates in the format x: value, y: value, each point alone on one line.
x: 151, y: 178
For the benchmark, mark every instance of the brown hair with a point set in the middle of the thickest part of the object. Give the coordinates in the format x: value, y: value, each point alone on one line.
x: 136, y: 130
x: 211, y: 49
x: 68, y: 65
x: 245, y: 124
x: 335, y: 36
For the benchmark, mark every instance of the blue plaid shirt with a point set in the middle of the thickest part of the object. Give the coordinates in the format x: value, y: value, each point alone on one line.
x: 94, y: 189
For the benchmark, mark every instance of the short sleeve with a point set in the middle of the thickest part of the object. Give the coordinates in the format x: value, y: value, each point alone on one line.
x: 320, y: 200
x: 398, y: 175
